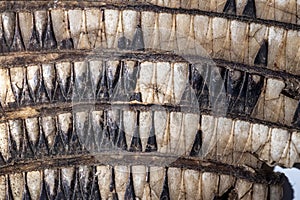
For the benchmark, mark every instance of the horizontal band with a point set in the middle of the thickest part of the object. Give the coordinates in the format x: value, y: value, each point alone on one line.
x: 237, y: 41
x: 86, y: 130
x: 220, y: 89
x: 93, y: 181
x: 284, y: 15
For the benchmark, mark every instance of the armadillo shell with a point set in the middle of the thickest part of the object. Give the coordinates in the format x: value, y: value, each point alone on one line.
x: 148, y: 99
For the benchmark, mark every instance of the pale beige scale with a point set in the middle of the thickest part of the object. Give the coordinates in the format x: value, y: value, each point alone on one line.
x: 48, y: 125
x: 231, y: 142
x: 273, y: 105
x: 6, y: 93
x: 60, y: 21
x: 121, y: 179
x: 221, y: 38
x: 104, y: 174
x: 34, y: 180
x: 26, y: 26
x: 139, y: 180
x: 33, y: 130
x: 145, y: 127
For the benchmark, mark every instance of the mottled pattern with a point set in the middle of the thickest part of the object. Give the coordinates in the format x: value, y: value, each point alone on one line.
x: 148, y: 99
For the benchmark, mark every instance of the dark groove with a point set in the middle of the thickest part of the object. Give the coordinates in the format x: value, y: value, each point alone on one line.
x: 165, y: 194
x: 262, y: 55
x: 288, y: 192
x: 230, y: 7
x: 197, y: 144
x: 129, y: 192
x: 250, y: 9
x: 229, y: 194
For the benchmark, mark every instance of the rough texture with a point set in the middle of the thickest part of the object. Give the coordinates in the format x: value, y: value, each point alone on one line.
x: 147, y: 99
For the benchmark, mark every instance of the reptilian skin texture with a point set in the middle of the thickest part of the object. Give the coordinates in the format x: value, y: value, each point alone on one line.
x: 148, y: 99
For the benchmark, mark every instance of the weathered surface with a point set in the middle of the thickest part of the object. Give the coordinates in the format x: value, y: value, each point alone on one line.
x: 148, y: 99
